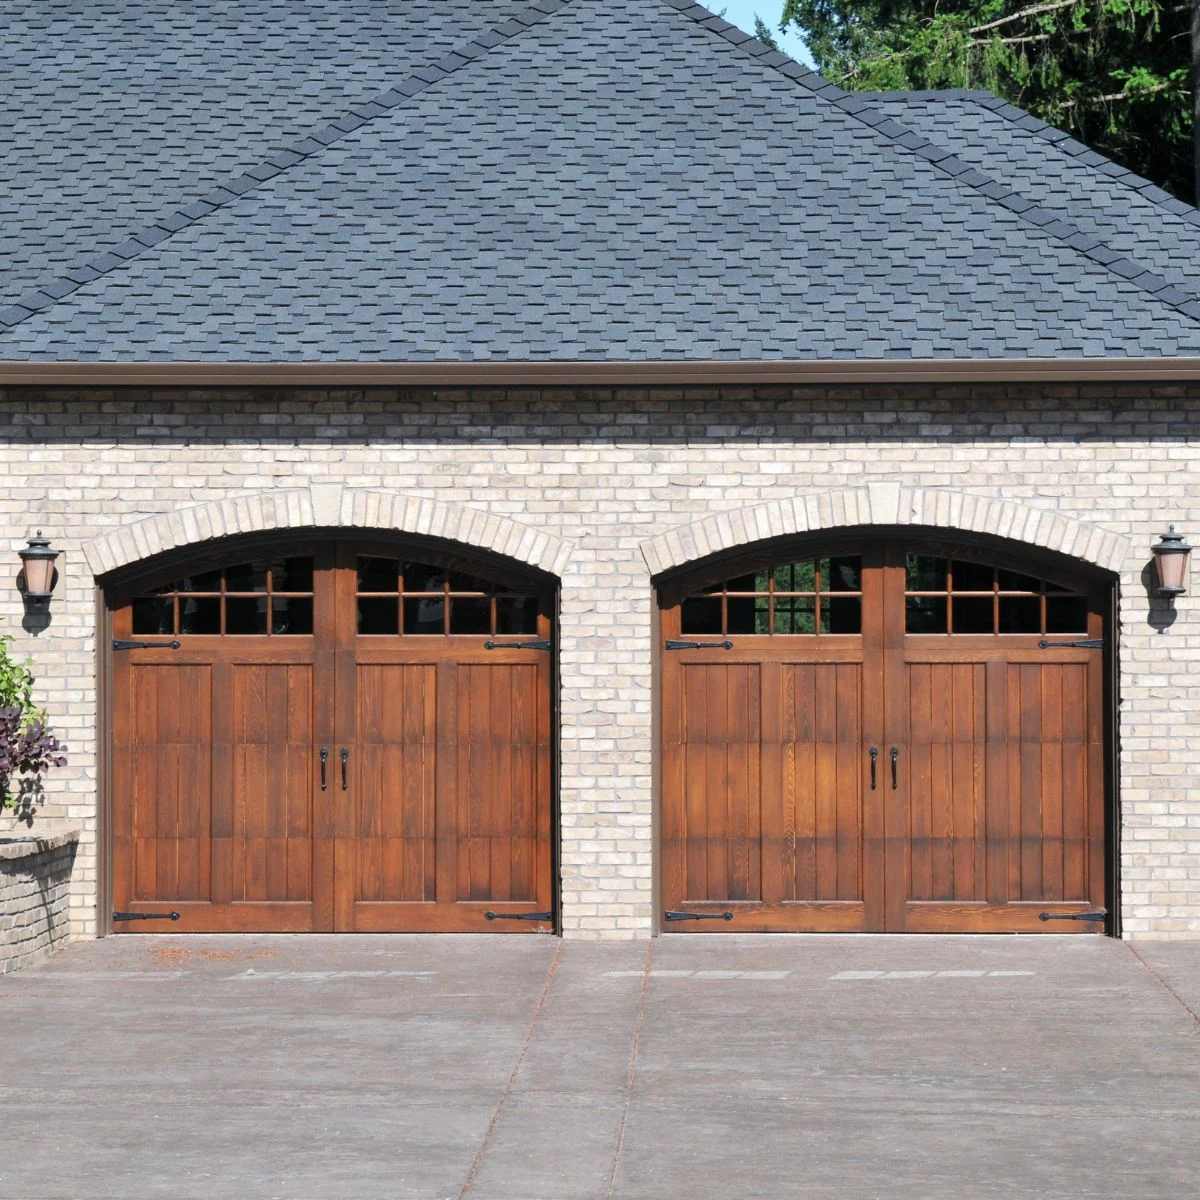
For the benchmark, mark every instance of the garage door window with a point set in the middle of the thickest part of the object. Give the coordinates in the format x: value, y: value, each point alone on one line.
x: 811, y: 596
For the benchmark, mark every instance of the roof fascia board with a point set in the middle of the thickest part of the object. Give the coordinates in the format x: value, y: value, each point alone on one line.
x: 600, y: 374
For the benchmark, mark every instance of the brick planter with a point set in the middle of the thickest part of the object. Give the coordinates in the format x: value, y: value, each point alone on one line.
x: 35, y: 876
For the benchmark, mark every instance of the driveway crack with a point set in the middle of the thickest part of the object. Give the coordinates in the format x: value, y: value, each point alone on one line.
x: 631, y: 1075
x: 1191, y: 1012
x: 477, y: 1161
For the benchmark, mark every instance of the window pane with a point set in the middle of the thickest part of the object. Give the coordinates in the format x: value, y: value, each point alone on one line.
x: 972, y: 577
x: 199, y: 616
x: 1020, y: 614
x: 841, y: 575
x: 1011, y: 581
x: 468, y: 583
x: 246, y: 616
x: 379, y: 616
x: 247, y: 577
x: 924, y: 574
x: 294, y: 616
x: 748, y: 614
x: 841, y: 615
x: 796, y: 577
x: 470, y: 616
x: 154, y: 615
x: 378, y: 574
x: 421, y: 577
x: 516, y: 614
x: 972, y: 614
x: 700, y: 615
x: 925, y: 614
x: 1066, y: 614
x: 795, y: 614
x: 292, y: 575
x: 206, y: 581
x: 747, y: 583
x: 426, y: 616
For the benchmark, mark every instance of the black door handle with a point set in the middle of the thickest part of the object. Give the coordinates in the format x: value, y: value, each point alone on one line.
x: 895, y: 755
x: 324, y: 760
x: 345, y: 760
x: 874, y: 759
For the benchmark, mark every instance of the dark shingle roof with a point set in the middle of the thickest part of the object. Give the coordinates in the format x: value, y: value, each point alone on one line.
x: 595, y: 179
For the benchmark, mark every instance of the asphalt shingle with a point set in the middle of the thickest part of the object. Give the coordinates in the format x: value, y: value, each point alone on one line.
x: 585, y: 179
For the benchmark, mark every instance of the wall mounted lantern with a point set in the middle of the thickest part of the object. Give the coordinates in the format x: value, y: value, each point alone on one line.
x: 1170, y: 563
x: 37, y: 563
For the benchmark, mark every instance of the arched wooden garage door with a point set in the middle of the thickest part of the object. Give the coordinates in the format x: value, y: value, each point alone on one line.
x: 332, y: 736
x: 883, y: 735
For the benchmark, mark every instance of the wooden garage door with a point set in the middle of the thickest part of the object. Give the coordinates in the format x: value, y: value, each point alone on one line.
x: 883, y: 738
x: 341, y: 736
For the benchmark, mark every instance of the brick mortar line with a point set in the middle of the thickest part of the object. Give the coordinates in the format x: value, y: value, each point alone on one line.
x: 506, y: 1095
x: 1191, y: 1012
x: 361, y: 113
x: 631, y: 1076
x: 856, y: 104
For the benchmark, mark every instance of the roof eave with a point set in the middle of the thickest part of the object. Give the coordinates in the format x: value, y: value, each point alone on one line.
x: 598, y: 374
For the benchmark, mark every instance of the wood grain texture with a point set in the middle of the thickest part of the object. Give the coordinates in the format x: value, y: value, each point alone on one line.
x: 996, y: 815
x: 446, y: 811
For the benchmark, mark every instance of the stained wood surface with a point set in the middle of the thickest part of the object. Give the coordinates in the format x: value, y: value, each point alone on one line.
x: 997, y: 813
x: 218, y: 808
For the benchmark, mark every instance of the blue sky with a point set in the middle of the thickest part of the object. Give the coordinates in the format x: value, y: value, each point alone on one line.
x: 741, y: 13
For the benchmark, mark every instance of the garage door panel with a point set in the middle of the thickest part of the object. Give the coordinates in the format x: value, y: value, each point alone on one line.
x: 944, y: 755
x: 394, y: 783
x: 169, y: 753
x: 497, y: 744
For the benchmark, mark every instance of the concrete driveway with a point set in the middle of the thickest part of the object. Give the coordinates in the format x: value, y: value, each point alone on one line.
x: 510, y: 1067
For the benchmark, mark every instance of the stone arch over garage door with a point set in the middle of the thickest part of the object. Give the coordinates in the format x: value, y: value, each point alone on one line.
x: 884, y: 504
x: 326, y: 506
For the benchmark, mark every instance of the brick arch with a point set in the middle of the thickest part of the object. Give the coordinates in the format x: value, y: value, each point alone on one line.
x: 325, y: 505
x: 886, y: 504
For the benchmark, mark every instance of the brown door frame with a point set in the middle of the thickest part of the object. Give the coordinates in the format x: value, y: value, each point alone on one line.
x: 109, y: 589
x: 1102, y: 585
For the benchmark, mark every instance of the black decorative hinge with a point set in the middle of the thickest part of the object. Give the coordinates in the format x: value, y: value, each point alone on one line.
x: 495, y: 916
x: 536, y: 645
x: 124, y: 916
x: 120, y: 645
x: 690, y: 916
x: 1084, y: 644
x: 674, y: 644
x: 1100, y: 915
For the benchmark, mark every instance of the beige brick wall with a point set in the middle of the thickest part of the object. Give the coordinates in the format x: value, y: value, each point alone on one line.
x: 601, y: 478
x: 35, y: 885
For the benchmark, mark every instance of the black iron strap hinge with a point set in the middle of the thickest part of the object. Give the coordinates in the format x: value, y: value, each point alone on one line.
x: 118, y: 644
x: 691, y: 916
x: 127, y: 916
x: 495, y: 916
x: 674, y: 644
x: 535, y: 645
x: 1083, y: 644
x: 1099, y: 915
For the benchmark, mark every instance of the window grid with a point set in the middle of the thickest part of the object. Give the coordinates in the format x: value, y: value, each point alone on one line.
x: 1058, y: 610
x: 507, y: 611
x: 292, y: 617
x: 766, y: 594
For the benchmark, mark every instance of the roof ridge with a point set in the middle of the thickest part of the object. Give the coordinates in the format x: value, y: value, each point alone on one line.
x: 1014, y: 114
x: 1060, y: 139
x: 855, y: 104
x: 359, y: 114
